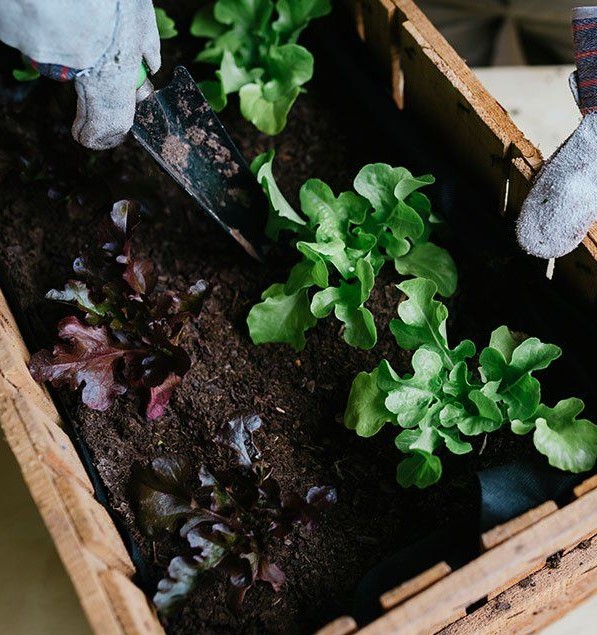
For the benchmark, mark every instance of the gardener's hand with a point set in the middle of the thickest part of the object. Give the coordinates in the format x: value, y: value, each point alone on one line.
x: 111, y: 37
x: 562, y: 205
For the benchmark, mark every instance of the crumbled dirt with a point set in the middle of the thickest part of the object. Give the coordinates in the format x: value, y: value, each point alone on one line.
x: 175, y: 151
x: 52, y: 195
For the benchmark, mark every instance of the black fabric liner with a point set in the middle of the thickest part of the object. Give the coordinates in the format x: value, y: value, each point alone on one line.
x: 504, y: 493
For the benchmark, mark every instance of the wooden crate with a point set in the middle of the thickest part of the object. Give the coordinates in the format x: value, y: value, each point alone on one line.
x: 427, y: 76
x: 510, y: 587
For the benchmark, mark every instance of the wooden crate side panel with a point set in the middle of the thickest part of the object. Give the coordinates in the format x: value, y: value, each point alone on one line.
x: 439, y: 96
x: 377, y: 16
x: 492, y: 570
x: 82, y: 531
x: 491, y: 112
x: 355, y: 10
x: 577, y: 271
x: 519, y: 184
x: 83, y: 570
x: 13, y: 365
x: 536, y: 601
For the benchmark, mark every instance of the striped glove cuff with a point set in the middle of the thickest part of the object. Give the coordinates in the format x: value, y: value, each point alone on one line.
x: 584, y: 30
x: 54, y: 71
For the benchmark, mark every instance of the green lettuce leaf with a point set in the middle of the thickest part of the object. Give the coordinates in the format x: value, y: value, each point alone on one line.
x: 568, y: 442
x: 347, y: 301
x: 267, y: 116
x: 423, y: 323
x: 254, y: 43
x: 282, y: 216
x: 366, y: 412
x: 295, y: 15
x: 166, y: 25
x: 411, y: 399
x: 427, y: 260
x: 510, y: 360
x: 423, y: 468
x: 281, y: 318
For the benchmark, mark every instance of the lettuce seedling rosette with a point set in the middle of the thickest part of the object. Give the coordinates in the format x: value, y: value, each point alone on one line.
x: 343, y: 242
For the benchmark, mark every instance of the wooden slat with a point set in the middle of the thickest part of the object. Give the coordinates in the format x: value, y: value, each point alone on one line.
x: 131, y: 605
x: 13, y: 365
x: 85, y: 538
x: 355, y: 10
x: 539, y: 600
x: 51, y: 443
x: 380, y: 34
x: 380, y: 30
x: 524, y: 573
x: 392, y: 598
x: 519, y: 184
x: 501, y: 533
x: 586, y: 486
x: 491, y: 570
x: 342, y: 626
x: 94, y: 526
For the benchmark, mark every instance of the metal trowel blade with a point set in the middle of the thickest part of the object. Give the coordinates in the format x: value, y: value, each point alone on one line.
x: 176, y: 125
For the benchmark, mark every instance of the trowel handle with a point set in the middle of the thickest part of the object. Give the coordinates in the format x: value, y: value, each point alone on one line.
x: 144, y: 85
x: 584, y: 30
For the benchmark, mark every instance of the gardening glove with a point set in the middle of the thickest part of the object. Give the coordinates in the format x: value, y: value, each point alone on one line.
x: 103, y: 43
x: 562, y: 204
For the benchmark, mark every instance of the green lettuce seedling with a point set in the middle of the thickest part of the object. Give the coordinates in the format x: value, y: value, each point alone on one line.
x: 254, y: 43
x: 445, y: 400
x: 343, y: 242
x: 166, y: 25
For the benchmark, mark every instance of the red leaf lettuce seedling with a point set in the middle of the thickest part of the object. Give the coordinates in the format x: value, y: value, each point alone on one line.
x: 128, y: 337
x: 231, y: 528
x: 444, y: 400
x: 344, y: 242
x: 254, y: 43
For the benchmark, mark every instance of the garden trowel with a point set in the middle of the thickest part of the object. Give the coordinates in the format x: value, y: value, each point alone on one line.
x: 176, y: 125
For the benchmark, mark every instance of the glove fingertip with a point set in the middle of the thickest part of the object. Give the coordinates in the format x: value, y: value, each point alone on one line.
x: 153, y: 60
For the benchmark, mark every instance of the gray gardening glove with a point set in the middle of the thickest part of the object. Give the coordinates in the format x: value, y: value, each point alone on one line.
x: 108, y: 39
x: 562, y: 204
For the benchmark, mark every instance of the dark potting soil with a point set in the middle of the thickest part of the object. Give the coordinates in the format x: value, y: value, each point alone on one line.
x: 52, y: 195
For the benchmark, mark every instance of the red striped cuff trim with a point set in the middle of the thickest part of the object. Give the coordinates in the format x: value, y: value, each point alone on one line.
x: 585, y: 54
x: 584, y: 27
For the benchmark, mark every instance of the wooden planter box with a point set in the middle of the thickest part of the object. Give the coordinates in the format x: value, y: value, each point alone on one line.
x: 509, y: 588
